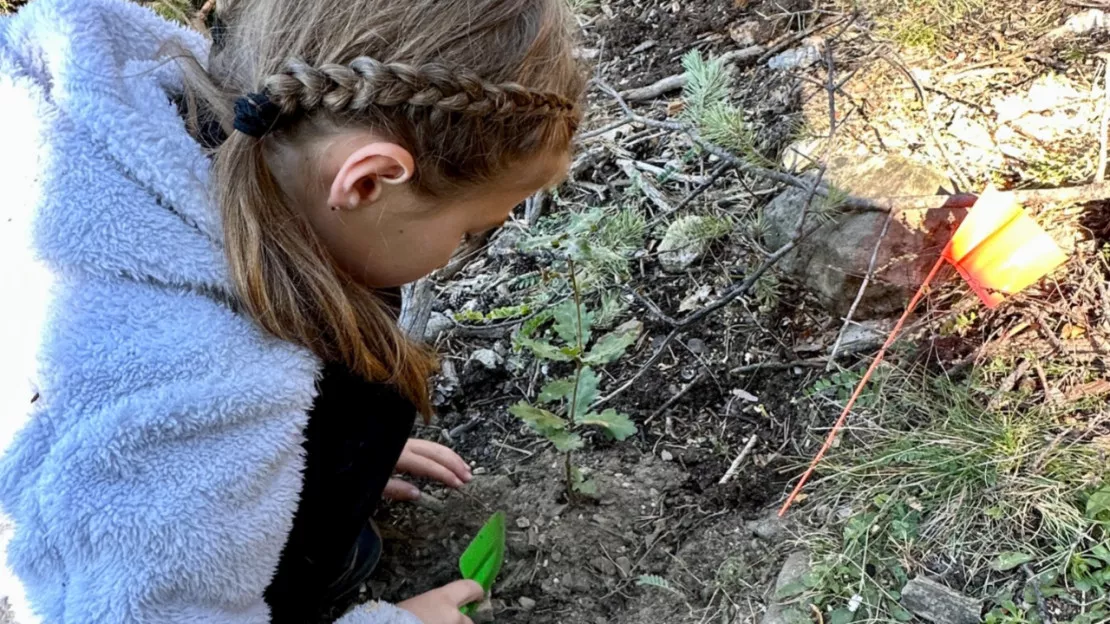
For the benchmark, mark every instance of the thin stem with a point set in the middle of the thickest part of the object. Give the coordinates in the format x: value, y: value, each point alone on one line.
x: 572, y: 411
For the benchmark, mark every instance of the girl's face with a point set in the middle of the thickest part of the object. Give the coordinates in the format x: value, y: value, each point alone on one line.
x: 375, y: 225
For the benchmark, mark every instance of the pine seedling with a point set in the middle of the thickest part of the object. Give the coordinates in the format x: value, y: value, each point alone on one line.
x: 707, y: 106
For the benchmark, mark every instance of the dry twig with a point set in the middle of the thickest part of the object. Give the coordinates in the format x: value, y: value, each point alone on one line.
x: 862, y: 289
x: 735, y: 465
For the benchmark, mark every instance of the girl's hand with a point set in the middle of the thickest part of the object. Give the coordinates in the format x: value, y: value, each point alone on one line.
x: 441, y: 606
x: 422, y: 458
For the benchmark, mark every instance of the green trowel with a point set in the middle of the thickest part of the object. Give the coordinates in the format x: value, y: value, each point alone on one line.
x: 481, y: 562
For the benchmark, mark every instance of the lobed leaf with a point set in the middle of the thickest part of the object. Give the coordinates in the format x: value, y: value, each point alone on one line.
x: 617, y: 425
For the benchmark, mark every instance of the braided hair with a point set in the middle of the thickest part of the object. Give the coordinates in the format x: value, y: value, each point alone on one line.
x: 469, y: 87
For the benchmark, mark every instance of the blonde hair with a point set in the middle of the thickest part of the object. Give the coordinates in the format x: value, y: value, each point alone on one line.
x: 467, y: 86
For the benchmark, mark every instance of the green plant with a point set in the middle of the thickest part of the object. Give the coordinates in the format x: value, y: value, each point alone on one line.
x: 658, y: 582
x: 932, y: 470
x: 496, y: 314
x: 572, y: 397
x: 707, y: 105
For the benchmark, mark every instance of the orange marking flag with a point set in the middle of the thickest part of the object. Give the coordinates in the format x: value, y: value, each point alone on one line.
x: 1000, y: 250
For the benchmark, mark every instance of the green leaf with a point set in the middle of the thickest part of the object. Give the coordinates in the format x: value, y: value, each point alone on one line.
x: 579, y: 483
x: 539, y: 419
x: 587, y: 487
x: 617, y: 425
x: 790, y: 590
x: 900, y: 613
x: 566, y: 322
x: 565, y: 441
x: 586, y: 394
x: 556, y: 390
x: 613, y: 345
x: 840, y: 616
x: 543, y: 350
x: 1010, y: 560
x: 1098, y: 502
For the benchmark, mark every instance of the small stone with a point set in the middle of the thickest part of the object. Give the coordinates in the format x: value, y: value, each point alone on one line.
x: 604, y: 566
x: 480, y: 470
x: 686, y: 239
x: 798, y: 58
x: 666, y: 456
x: 487, y: 358
x: 769, y: 527
x: 697, y: 346
x: 526, y: 603
x: 624, y: 566
x: 438, y: 323
x: 523, y: 522
x: 505, y: 243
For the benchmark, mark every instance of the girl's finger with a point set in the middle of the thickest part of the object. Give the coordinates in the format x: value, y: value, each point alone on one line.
x: 464, y: 592
x: 420, y: 466
x: 399, y: 490
x: 442, y: 455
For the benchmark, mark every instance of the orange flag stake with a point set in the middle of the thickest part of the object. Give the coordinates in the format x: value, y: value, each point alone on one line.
x: 999, y: 250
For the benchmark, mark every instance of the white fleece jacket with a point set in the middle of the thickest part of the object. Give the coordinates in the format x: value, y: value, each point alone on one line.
x: 153, y: 435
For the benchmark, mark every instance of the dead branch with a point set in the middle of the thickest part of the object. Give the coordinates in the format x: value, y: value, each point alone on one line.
x: 416, y: 308
x: 697, y: 317
x: 720, y: 152
x: 677, y: 81
x: 678, y: 395
x: 650, y: 191
x: 862, y: 289
x: 739, y: 460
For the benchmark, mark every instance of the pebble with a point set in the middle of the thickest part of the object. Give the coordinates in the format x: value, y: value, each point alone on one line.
x: 527, y: 603
x: 603, y: 565
x: 666, y: 456
x: 523, y: 522
x: 480, y: 470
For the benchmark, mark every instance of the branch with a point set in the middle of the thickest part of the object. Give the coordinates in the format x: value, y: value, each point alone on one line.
x: 862, y: 289
x: 677, y: 81
x: 719, y: 152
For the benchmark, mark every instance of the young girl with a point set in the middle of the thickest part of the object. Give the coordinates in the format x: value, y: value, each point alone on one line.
x: 198, y: 341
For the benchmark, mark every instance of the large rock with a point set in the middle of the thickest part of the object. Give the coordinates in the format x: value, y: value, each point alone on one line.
x: 793, y: 571
x: 833, y: 261
x: 933, y: 602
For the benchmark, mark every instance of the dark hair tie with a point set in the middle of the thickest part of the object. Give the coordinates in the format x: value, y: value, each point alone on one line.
x: 256, y: 115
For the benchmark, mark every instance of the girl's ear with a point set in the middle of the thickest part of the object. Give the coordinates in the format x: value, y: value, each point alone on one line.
x: 362, y: 175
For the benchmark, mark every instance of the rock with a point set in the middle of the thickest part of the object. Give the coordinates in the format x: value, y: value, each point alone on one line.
x: 800, y: 57
x: 793, y: 569
x: 697, y: 346
x: 624, y: 566
x: 934, y: 602
x: 438, y: 323
x: 505, y: 243
x: 751, y: 32
x: 1082, y: 23
x: 486, y: 358
x: 861, y: 334
x: 604, y: 566
x: 684, y: 242
x: 834, y: 259
x: 526, y: 603
x: 769, y: 527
